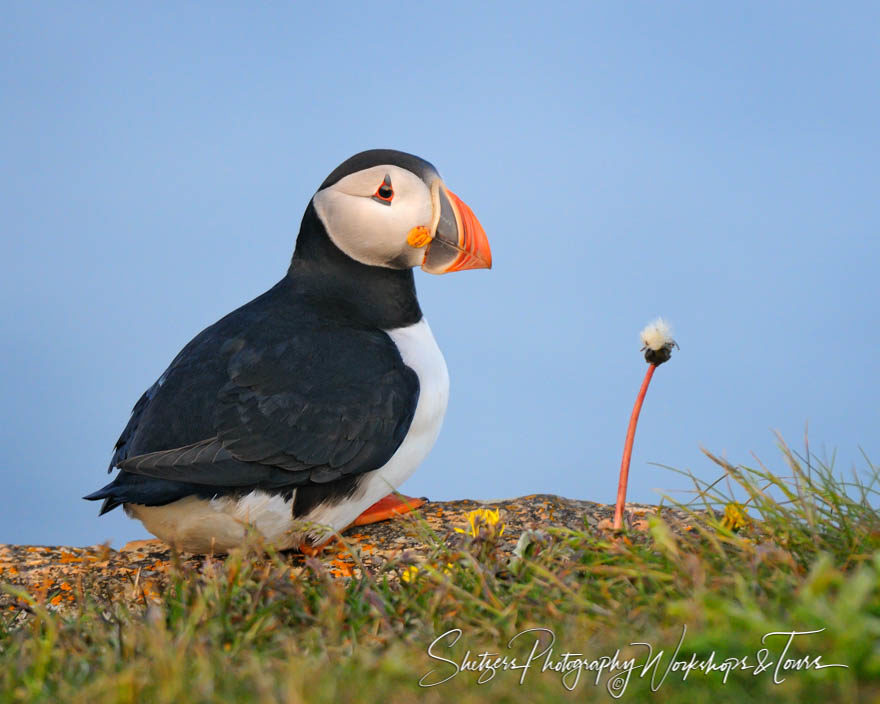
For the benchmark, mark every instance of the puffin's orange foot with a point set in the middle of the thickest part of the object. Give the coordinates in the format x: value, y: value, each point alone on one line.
x: 315, y: 550
x: 389, y: 507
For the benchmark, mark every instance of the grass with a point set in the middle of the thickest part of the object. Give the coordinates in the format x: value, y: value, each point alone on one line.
x: 807, y: 557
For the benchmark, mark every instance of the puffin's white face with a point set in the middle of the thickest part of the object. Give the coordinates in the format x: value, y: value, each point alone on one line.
x: 388, y: 216
x: 369, y: 215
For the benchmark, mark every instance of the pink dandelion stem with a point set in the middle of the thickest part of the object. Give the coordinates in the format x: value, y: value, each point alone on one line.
x: 628, y: 448
x: 658, y: 344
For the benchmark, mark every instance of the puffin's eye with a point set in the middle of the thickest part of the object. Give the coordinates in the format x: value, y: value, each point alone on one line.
x: 384, y: 193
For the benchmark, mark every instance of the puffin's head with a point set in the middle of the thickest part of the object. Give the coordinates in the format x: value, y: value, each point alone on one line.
x: 391, y: 209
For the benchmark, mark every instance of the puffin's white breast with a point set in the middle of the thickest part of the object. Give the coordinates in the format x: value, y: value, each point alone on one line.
x: 203, y: 525
x: 420, y: 353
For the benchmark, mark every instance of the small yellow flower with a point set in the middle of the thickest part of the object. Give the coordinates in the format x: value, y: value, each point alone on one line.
x: 735, y: 517
x: 409, y: 574
x: 489, y: 517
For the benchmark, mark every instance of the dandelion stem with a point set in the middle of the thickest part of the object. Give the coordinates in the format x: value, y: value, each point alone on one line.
x: 628, y: 447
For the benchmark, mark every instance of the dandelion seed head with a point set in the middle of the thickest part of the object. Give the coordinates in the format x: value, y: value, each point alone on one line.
x: 657, y: 342
x: 657, y: 335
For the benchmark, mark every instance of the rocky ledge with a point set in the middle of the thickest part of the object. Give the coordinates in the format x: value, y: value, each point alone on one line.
x: 59, y: 577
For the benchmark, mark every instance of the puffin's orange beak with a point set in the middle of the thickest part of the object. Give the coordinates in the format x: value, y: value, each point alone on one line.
x: 459, y: 241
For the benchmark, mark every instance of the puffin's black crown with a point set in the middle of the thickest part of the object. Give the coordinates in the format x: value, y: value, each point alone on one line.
x: 374, y: 157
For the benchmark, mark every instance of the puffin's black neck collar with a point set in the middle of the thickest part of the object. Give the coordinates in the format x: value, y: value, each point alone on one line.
x: 345, y: 289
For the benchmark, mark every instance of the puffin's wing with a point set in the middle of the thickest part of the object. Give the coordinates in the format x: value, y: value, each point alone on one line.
x: 308, y: 409
x: 121, y: 449
x: 208, y: 463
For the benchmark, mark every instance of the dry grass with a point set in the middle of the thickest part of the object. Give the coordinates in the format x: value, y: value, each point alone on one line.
x: 807, y: 557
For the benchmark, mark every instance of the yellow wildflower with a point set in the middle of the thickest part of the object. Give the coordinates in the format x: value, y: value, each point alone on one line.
x: 409, y: 574
x: 489, y: 517
x: 735, y: 517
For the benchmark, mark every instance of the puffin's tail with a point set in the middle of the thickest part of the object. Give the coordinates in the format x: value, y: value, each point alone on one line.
x: 109, y: 494
x: 128, y: 488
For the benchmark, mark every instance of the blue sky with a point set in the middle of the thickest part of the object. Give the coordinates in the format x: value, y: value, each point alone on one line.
x: 715, y: 163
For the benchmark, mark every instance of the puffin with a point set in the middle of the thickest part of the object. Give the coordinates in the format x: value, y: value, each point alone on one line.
x: 301, y: 412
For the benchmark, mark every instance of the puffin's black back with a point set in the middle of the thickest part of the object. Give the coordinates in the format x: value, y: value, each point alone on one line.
x: 300, y: 387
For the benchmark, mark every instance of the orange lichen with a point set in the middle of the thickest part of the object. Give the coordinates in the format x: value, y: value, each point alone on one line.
x: 340, y: 567
x: 42, y: 590
x: 341, y: 570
